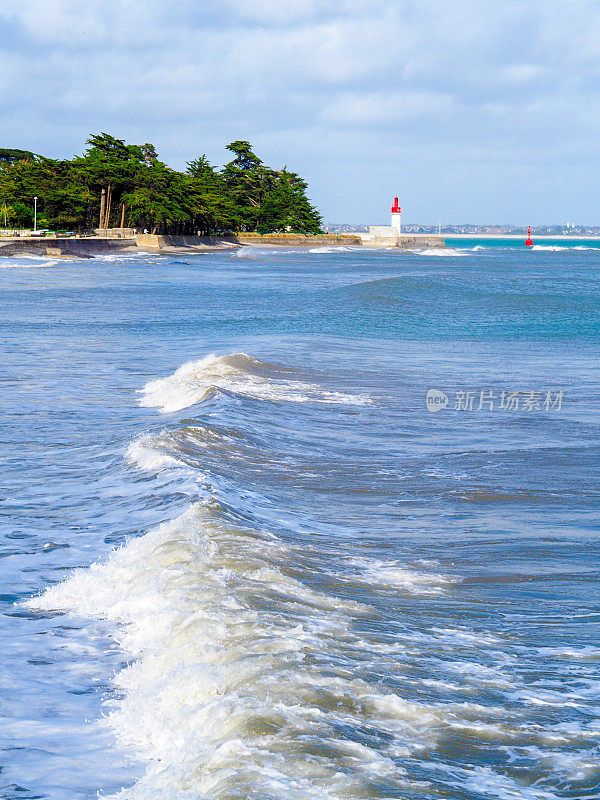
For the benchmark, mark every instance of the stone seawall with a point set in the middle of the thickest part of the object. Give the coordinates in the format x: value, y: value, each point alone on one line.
x: 153, y: 243
x: 299, y: 240
x: 72, y: 247
x: 422, y: 242
x: 62, y: 246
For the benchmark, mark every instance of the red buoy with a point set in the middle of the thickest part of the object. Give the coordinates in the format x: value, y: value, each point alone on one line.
x: 529, y: 243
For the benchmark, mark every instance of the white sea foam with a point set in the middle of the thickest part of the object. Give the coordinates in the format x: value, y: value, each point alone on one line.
x: 119, y: 256
x: 38, y: 263
x: 447, y: 252
x: 256, y: 251
x: 225, y: 679
x: 250, y: 252
x: 231, y: 666
x: 585, y: 652
x: 329, y: 249
x: 145, y: 454
x: 395, y: 575
x: 574, y: 765
x: 481, y: 674
x: 237, y: 373
x: 556, y: 248
x: 488, y: 782
x: 463, y: 636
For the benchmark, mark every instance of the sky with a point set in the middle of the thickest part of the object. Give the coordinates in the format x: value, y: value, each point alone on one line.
x: 470, y: 111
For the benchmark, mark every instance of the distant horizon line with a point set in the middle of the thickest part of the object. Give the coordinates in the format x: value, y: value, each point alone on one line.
x: 574, y: 227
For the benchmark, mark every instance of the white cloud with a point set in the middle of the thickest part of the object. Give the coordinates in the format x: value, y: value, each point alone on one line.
x: 404, y: 88
x: 374, y: 109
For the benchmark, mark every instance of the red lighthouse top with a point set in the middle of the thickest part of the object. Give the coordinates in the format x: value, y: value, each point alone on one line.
x: 395, y: 208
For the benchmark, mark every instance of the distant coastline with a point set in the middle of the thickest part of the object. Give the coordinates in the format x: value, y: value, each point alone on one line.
x: 546, y: 236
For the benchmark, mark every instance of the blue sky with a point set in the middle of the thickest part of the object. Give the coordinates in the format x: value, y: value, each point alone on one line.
x: 469, y: 111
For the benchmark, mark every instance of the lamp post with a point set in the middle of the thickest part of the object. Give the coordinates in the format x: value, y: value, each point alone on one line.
x: 35, y: 214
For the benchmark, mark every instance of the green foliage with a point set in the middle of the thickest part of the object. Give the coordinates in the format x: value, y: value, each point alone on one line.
x: 114, y: 181
x: 10, y: 155
x: 285, y: 207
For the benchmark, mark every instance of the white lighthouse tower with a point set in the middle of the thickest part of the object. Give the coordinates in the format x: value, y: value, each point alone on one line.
x: 388, y: 235
x: 396, y: 213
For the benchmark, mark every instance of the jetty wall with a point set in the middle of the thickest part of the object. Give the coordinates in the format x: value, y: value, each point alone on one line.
x: 155, y: 243
x: 386, y: 236
x: 62, y: 246
x: 299, y: 239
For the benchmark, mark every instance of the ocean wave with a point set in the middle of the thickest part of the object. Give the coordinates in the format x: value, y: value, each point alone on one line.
x: 487, y: 782
x: 146, y: 454
x: 257, y: 251
x: 241, y: 678
x: 134, y: 256
x: 39, y: 262
x: 250, y: 252
x: 231, y: 669
x: 447, y: 252
x: 466, y: 637
x: 584, y: 652
x: 237, y: 373
x: 394, y: 575
x: 330, y: 249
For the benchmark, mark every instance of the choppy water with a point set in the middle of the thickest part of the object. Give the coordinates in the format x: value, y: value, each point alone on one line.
x: 242, y: 560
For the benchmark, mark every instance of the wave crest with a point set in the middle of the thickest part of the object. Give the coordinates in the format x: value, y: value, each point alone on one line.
x: 238, y: 373
x: 231, y: 668
x: 441, y: 252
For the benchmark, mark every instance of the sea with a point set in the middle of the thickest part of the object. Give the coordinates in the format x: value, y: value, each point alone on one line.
x: 288, y: 524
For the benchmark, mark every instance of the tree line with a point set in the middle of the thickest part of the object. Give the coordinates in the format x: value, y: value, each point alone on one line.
x: 114, y: 184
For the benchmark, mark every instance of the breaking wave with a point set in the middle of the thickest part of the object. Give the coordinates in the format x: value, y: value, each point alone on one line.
x: 33, y: 262
x: 554, y: 248
x: 232, y: 690
x: 239, y: 374
x: 258, y: 669
x: 448, y: 252
x: 147, y: 455
x: 547, y: 248
x: 330, y: 249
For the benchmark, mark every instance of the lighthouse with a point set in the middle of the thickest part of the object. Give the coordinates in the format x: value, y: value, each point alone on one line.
x: 391, y: 235
x: 396, y: 213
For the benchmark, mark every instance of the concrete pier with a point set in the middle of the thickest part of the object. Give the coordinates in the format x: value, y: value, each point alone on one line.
x: 389, y: 236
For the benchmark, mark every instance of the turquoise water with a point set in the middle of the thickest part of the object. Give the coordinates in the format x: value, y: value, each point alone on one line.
x: 547, y: 242
x: 240, y: 558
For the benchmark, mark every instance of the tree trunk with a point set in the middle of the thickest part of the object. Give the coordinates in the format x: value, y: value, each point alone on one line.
x: 108, y: 205
x: 102, y: 208
x: 122, y: 216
